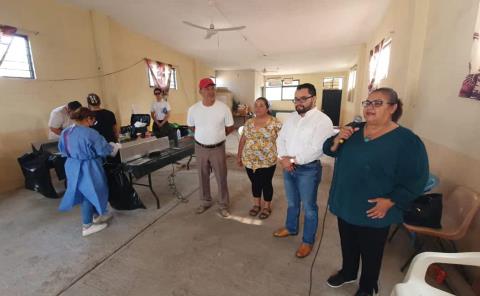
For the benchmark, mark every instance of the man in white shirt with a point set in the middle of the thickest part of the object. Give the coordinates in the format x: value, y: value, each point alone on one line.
x: 60, y: 119
x: 212, y: 121
x: 299, y: 146
x: 160, y: 113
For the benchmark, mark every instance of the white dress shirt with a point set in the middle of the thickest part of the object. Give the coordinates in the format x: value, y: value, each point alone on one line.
x: 303, y: 137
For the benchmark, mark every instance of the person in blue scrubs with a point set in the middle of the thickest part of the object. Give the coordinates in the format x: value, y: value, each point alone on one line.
x: 380, y: 168
x: 87, y: 185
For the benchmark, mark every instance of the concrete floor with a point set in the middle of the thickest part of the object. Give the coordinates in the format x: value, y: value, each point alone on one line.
x: 171, y: 251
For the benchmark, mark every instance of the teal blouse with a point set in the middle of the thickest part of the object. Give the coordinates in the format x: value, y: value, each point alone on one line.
x: 394, y: 166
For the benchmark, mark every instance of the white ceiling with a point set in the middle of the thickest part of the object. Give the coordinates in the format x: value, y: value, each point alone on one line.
x: 295, y: 36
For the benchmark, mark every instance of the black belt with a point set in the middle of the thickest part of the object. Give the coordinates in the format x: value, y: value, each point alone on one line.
x: 210, y: 146
x: 311, y: 162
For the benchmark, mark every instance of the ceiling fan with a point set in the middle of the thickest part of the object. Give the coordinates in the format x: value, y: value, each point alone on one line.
x: 211, y: 30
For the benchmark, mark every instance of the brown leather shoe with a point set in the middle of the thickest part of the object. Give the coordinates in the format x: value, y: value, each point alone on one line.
x: 304, y: 250
x: 282, y: 232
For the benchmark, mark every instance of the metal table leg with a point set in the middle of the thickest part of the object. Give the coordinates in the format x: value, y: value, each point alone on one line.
x: 149, y: 185
x: 188, y: 162
x: 153, y: 192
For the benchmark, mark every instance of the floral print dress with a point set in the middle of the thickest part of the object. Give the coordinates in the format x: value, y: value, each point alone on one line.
x: 260, y: 150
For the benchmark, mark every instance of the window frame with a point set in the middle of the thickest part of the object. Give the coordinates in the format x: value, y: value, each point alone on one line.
x: 376, y: 57
x: 351, y: 83
x: 281, y: 89
x: 31, y: 65
x: 332, y: 83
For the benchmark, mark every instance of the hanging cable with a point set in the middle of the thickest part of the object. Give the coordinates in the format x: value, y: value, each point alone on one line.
x: 318, y: 248
x: 93, y: 76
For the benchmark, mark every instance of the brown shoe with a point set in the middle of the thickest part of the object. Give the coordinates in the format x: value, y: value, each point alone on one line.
x: 304, y: 250
x: 282, y: 232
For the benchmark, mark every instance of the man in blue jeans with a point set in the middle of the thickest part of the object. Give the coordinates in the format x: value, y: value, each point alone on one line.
x: 299, y: 146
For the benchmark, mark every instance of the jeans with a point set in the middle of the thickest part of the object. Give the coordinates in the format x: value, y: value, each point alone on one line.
x: 301, y: 186
x: 87, y: 212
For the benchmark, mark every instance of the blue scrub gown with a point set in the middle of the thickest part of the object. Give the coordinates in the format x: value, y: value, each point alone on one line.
x: 84, y: 148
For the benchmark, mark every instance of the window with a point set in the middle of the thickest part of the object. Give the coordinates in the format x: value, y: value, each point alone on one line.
x: 280, y: 89
x: 379, y: 63
x: 352, y: 80
x: 173, y: 79
x: 16, y: 57
x: 333, y: 83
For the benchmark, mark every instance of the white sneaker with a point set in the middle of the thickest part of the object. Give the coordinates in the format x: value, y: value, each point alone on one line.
x: 93, y: 228
x: 102, y: 219
x: 224, y: 213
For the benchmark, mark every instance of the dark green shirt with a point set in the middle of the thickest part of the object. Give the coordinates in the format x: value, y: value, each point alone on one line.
x: 393, y: 166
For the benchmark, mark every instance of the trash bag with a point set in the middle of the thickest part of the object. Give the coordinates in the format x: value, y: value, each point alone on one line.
x: 58, y: 163
x: 36, y: 171
x: 184, y: 130
x: 121, y: 194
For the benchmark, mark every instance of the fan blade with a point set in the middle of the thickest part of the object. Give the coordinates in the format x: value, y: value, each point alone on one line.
x: 195, y: 26
x: 231, y: 28
x: 210, y: 33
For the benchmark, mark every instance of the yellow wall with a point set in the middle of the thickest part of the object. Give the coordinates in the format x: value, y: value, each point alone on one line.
x: 449, y: 124
x: 63, y: 49
x: 74, y: 42
x: 405, y: 23
x: 240, y: 82
x: 132, y: 86
x: 429, y: 60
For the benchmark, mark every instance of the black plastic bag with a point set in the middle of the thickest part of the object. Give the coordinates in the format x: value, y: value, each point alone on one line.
x: 58, y: 163
x: 36, y: 171
x: 121, y: 194
x: 184, y: 130
x: 426, y: 211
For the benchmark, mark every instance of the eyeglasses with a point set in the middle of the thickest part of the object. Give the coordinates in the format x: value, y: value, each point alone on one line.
x: 374, y: 103
x: 157, y: 94
x: 301, y: 99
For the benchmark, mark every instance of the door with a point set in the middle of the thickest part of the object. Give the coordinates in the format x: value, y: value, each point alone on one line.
x: 331, y: 101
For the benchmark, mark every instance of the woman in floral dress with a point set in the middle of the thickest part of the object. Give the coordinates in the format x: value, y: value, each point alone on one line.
x: 257, y: 152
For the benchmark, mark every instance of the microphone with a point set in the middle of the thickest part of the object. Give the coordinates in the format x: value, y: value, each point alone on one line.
x: 357, y: 121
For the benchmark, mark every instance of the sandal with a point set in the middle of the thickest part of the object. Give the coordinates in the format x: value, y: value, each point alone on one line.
x: 265, y: 213
x: 254, y: 211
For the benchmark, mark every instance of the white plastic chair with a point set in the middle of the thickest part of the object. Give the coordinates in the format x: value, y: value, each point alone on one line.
x: 414, y: 283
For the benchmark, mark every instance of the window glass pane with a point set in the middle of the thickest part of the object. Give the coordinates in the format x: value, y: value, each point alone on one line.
x: 327, y: 82
x: 273, y: 93
x: 173, y: 79
x: 352, y: 79
x: 338, y: 83
x: 17, y: 62
x: 150, y: 78
x: 14, y: 73
x: 383, y: 63
x: 288, y: 93
x: 273, y: 83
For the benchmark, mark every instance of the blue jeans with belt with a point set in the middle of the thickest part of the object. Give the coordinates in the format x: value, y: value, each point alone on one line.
x: 301, y: 187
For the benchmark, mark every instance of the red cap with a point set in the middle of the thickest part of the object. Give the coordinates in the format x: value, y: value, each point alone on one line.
x: 205, y: 82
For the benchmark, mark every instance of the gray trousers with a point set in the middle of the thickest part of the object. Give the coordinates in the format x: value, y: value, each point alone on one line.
x: 209, y: 159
